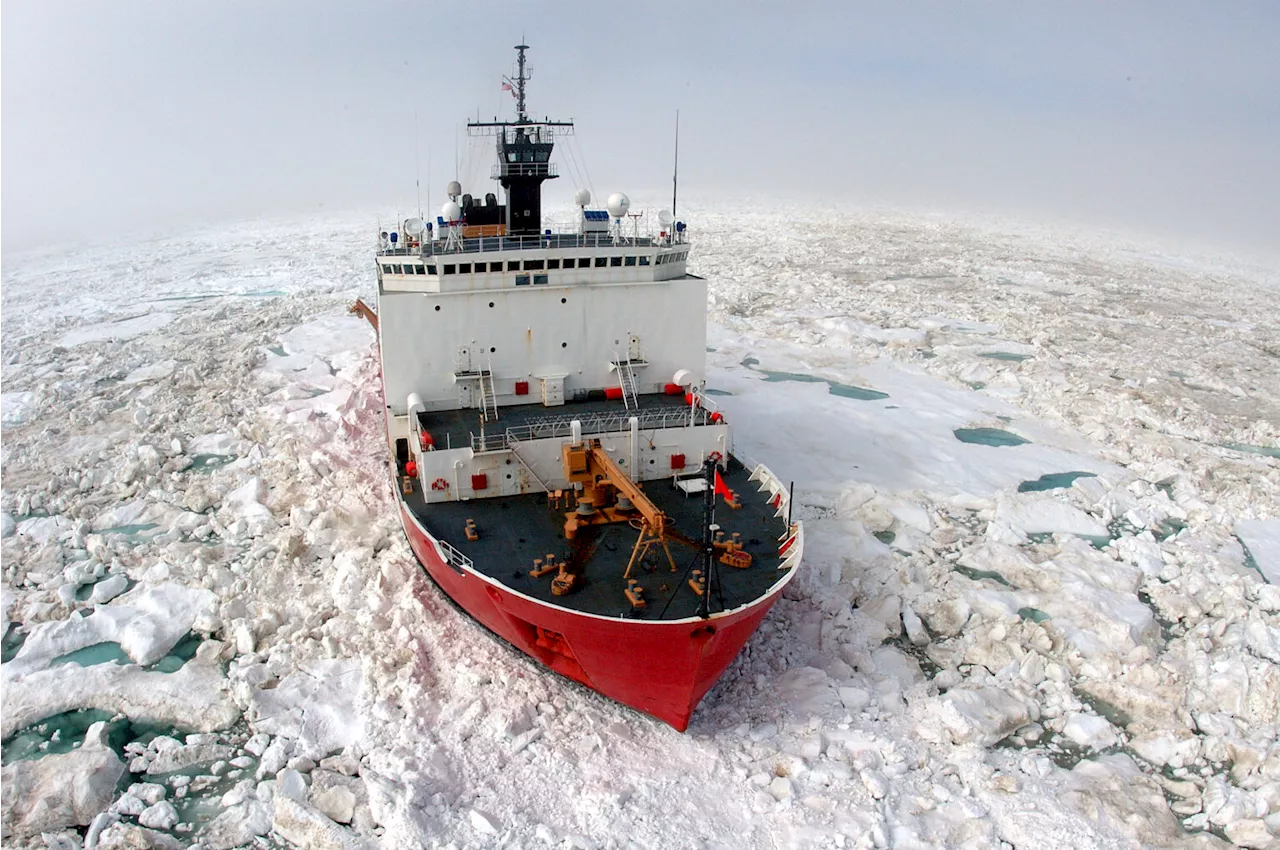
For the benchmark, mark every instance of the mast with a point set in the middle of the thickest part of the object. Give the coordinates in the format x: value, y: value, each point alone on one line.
x: 524, y: 156
x: 709, y: 573
x: 521, y: 79
x: 675, y: 172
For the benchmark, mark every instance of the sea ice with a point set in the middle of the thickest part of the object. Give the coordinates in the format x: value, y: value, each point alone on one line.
x: 16, y: 408
x: 315, y: 706
x: 70, y: 789
x: 118, y: 331
x: 1262, y: 536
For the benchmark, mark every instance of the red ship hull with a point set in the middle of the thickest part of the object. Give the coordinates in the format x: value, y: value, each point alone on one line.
x: 662, y: 668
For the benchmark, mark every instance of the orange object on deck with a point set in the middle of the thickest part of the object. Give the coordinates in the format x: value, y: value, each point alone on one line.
x: 364, y: 311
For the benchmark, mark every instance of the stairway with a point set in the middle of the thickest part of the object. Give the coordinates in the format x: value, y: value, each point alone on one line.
x: 627, y: 381
x: 488, y: 394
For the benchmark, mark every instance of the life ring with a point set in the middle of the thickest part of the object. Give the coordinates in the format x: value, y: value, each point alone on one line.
x: 715, y: 457
x: 439, y: 484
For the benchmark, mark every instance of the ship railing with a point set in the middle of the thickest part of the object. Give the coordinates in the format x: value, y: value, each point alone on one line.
x: 603, y: 423
x: 494, y: 244
x: 453, y: 556
x: 488, y: 443
x: 523, y: 169
x: 791, y: 544
x: 491, y: 244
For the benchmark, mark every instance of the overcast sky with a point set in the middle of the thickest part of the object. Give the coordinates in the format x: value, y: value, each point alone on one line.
x: 1161, y: 118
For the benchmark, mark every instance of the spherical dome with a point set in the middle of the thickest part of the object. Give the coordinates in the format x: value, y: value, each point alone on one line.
x: 414, y: 227
x: 582, y: 198
x: 618, y: 205
x: 451, y: 211
x: 665, y: 217
x: 454, y: 190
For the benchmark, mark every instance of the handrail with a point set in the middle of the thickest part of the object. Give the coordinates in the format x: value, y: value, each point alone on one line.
x: 453, y: 555
x: 486, y: 244
x: 488, y: 443
x: 603, y: 423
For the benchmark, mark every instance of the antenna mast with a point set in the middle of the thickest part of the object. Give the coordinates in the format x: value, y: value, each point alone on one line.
x: 521, y: 79
x: 417, y: 168
x: 675, y: 172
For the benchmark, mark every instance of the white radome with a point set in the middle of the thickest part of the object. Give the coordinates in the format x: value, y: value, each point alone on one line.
x: 665, y: 217
x: 414, y: 227
x: 618, y: 204
x: 582, y: 197
x: 454, y: 189
x: 451, y: 211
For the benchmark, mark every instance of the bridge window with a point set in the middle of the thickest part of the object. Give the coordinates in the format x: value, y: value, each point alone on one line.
x: 539, y: 280
x: 513, y: 265
x: 615, y: 261
x: 601, y: 262
x: 644, y: 260
x: 464, y: 268
x: 431, y: 269
x: 481, y: 268
x: 553, y: 264
x: 631, y: 261
x: 450, y: 268
x: 396, y: 269
x: 386, y: 268
x: 522, y: 280
x: 533, y: 265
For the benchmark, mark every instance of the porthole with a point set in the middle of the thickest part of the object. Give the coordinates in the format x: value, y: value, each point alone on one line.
x: 492, y: 349
x: 490, y: 303
x: 564, y: 300
x: 564, y: 345
x: 437, y: 308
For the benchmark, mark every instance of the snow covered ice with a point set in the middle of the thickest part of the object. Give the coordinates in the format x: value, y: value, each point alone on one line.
x: 209, y: 597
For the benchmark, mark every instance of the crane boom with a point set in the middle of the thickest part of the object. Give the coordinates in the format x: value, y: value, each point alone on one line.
x: 609, y: 495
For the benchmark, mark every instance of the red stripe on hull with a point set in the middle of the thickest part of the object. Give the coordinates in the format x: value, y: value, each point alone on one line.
x: 660, y: 668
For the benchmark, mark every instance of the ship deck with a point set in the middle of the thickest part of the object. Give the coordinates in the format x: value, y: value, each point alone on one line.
x: 514, y: 530
x: 458, y: 428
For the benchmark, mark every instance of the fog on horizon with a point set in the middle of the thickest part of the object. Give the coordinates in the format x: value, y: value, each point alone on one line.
x: 1161, y: 119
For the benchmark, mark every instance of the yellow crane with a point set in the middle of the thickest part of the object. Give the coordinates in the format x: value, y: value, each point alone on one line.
x: 609, y: 495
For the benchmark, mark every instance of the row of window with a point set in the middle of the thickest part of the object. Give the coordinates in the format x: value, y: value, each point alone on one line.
x: 530, y: 265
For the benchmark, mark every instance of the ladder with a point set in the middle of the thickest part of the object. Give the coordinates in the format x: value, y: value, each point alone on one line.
x: 627, y: 381
x: 488, y: 394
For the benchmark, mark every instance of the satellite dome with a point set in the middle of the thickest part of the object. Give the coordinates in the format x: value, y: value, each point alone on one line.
x: 454, y: 189
x: 414, y: 227
x: 451, y: 211
x: 618, y: 204
x: 582, y: 197
x: 665, y: 217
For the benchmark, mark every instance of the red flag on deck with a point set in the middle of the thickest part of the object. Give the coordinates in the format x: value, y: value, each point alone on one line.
x: 721, y: 488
